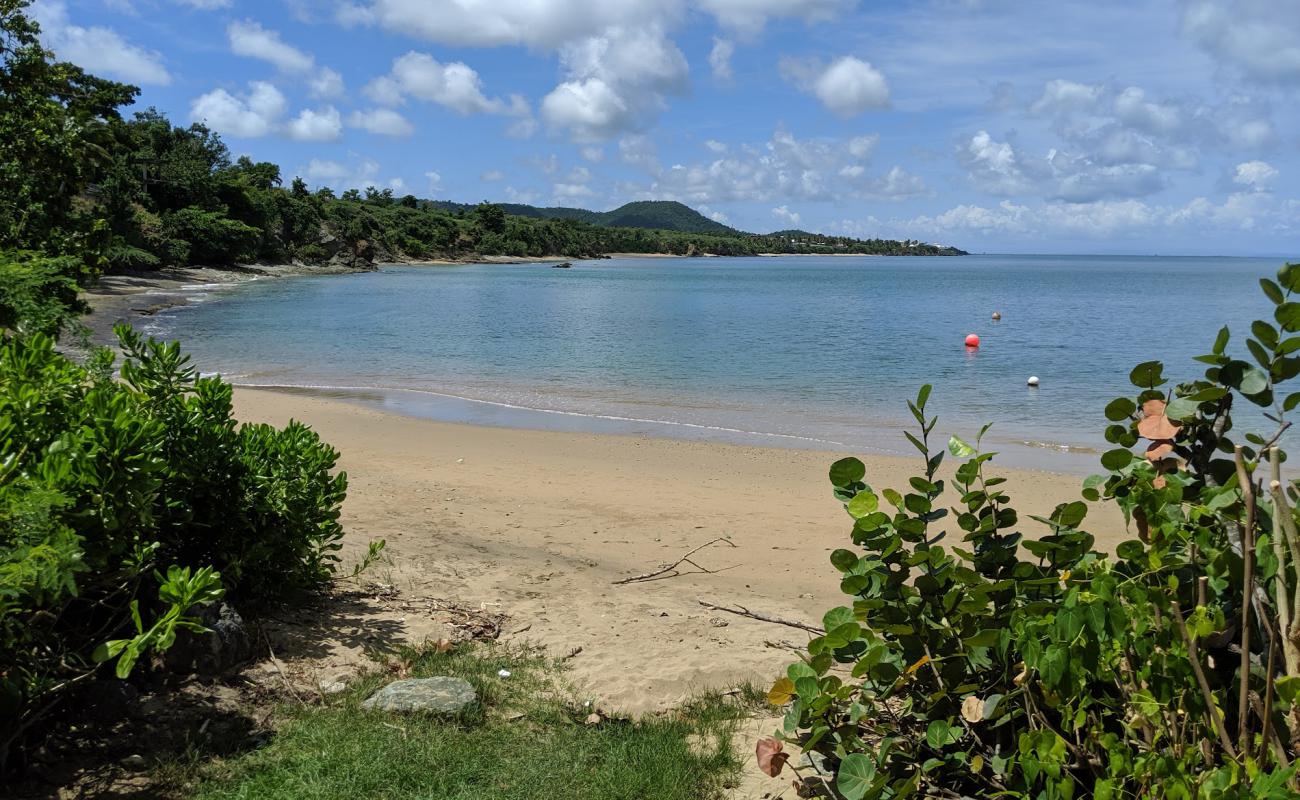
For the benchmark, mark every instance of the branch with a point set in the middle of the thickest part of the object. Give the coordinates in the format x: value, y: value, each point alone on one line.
x: 1247, y: 486
x: 686, y: 559
x: 758, y: 615
x: 1193, y: 655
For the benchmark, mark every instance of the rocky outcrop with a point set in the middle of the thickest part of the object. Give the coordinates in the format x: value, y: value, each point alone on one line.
x: 441, y: 695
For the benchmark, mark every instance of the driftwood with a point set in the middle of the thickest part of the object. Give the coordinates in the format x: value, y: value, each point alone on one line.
x: 741, y: 611
x: 686, y: 559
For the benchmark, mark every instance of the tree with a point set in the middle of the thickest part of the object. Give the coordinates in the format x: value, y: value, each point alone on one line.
x: 490, y: 217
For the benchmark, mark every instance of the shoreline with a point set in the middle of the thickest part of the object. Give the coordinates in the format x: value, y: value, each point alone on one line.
x: 540, y: 524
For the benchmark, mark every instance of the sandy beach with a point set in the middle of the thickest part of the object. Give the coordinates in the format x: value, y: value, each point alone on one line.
x: 538, y: 525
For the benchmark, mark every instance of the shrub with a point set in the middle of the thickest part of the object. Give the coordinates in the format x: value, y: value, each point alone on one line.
x: 39, y: 291
x: 1017, y: 667
x: 213, y: 238
x: 104, y: 482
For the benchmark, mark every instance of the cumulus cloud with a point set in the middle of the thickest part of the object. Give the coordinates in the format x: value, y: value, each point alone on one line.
x: 454, y: 85
x: 382, y: 122
x: 248, y: 38
x: 492, y: 175
x: 98, y: 49
x: 360, y: 173
x: 315, y: 125
x: 1256, y: 175
x: 786, y: 215
x: 720, y: 58
x: 998, y: 168
x: 783, y: 170
x: 251, y: 115
x: 861, y: 147
x: 615, y: 82
x: 749, y: 16
x: 847, y: 86
x: 1259, y: 38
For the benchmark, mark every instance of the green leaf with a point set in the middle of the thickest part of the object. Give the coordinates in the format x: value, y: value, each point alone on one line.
x: 1147, y: 375
x: 1244, y: 377
x: 1271, y: 290
x: 1116, y: 459
x: 847, y: 471
x: 960, y: 449
x: 1182, y: 408
x: 1288, y: 316
x: 862, y: 504
x: 939, y: 734
x: 1221, y: 341
x: 1292, y: 400
x: 844, y: 560
x: 854, y: 778
x: 923, y: 395
x: 838, y: 616
x: 1120, y: 409
x: 1289, y: 277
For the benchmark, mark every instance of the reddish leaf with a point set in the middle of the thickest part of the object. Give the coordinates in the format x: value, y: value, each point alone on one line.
x: 770, y: 756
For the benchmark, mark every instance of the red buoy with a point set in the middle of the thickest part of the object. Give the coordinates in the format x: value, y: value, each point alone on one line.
x: 972, y: 340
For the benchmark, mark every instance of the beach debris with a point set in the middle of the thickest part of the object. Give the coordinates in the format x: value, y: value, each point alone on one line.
x: 741, y: 611
x: 718, y: 622
x: 442, y: 695
x: 503, y: 673
x: 1157, y: 427
x: 972, y: 340
x: 665, y: 569
x: 1033, y: 380
x: 575, y: 651
x: 594, y: 719
x: 997, y: 315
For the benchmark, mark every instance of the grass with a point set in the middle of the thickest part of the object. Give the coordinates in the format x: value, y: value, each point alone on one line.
x: 339, y: 750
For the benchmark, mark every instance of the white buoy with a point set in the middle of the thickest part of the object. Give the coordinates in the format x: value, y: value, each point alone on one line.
x: 1033, y: 380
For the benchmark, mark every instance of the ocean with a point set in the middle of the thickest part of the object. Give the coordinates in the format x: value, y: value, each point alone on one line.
x: 811, y: 352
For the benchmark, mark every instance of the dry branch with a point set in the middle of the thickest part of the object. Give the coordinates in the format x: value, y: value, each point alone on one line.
x: 741, y: 611
x: 686, y: 559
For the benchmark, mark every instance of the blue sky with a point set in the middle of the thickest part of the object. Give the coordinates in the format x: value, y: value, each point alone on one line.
x: 994, y: 125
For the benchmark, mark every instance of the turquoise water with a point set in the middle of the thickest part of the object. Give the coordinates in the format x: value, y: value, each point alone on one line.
x: 815, y: 352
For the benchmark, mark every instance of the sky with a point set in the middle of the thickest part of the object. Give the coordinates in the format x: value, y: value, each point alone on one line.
x: 993, y: 125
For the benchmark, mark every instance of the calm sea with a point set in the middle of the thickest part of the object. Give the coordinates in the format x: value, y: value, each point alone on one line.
x: 807, y: 352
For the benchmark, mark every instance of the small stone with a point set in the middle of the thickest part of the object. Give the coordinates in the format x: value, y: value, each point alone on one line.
x: 333, y: 687
x: 594, y: 719
x: 718, y: 622
x: 135, y: 763
x: 443, y: 695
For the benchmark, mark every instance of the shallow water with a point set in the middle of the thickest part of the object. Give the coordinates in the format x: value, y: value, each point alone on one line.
x: 809, y: 351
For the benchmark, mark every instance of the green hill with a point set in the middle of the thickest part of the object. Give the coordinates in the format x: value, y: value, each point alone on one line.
x: 663, y: 215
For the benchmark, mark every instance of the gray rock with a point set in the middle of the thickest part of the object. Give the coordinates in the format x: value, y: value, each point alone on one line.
x: 227, y: 645
x: 441, y: 695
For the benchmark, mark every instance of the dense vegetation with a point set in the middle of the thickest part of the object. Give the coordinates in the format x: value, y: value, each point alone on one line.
x: 125, y: 501
x: 1001, y: 665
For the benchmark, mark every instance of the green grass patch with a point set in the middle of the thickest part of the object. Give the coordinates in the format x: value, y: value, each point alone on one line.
x: 526, y: 739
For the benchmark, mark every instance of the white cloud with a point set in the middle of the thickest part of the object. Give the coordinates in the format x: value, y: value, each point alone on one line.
x: 454, y: 85
x: 435, y: 182
x: 205, y: 5
x: 593, y: 153
x: 785, y: 214
x: 255, y: 114
x: 638, y: 150
x: 615, y: 82
x: 359, y: 174
x: 749, y: 16
x: 311, y: 125
x: 248, y: 38
x: 382, y: 122
x: 848, y: 86
x: 715, y: 147
x: 861, y: 147
x: 998, y: 168
x: 326, y: 83
x: 720, y: 58
x: 1254, y: 174
x: 784, y: 169
x: 492, y: 175
x: 98, y: 49
x: 1260, y: 38
x: 570, y: 191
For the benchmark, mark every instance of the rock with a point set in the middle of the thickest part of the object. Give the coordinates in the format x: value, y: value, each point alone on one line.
x: 442, y: 695
x: 333, y: 687
x: 227, y: 645
x: 718, y: 622
x: 135, y: 763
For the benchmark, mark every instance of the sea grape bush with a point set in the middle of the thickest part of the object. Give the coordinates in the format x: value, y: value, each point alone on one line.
x: 972, y: 660
x: 125, y: 502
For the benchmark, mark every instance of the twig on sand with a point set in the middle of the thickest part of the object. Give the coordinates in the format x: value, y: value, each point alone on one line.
x: 686, y: 559
x: 758, y: 615
x: 575, y: 651
x: 275, y: 662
